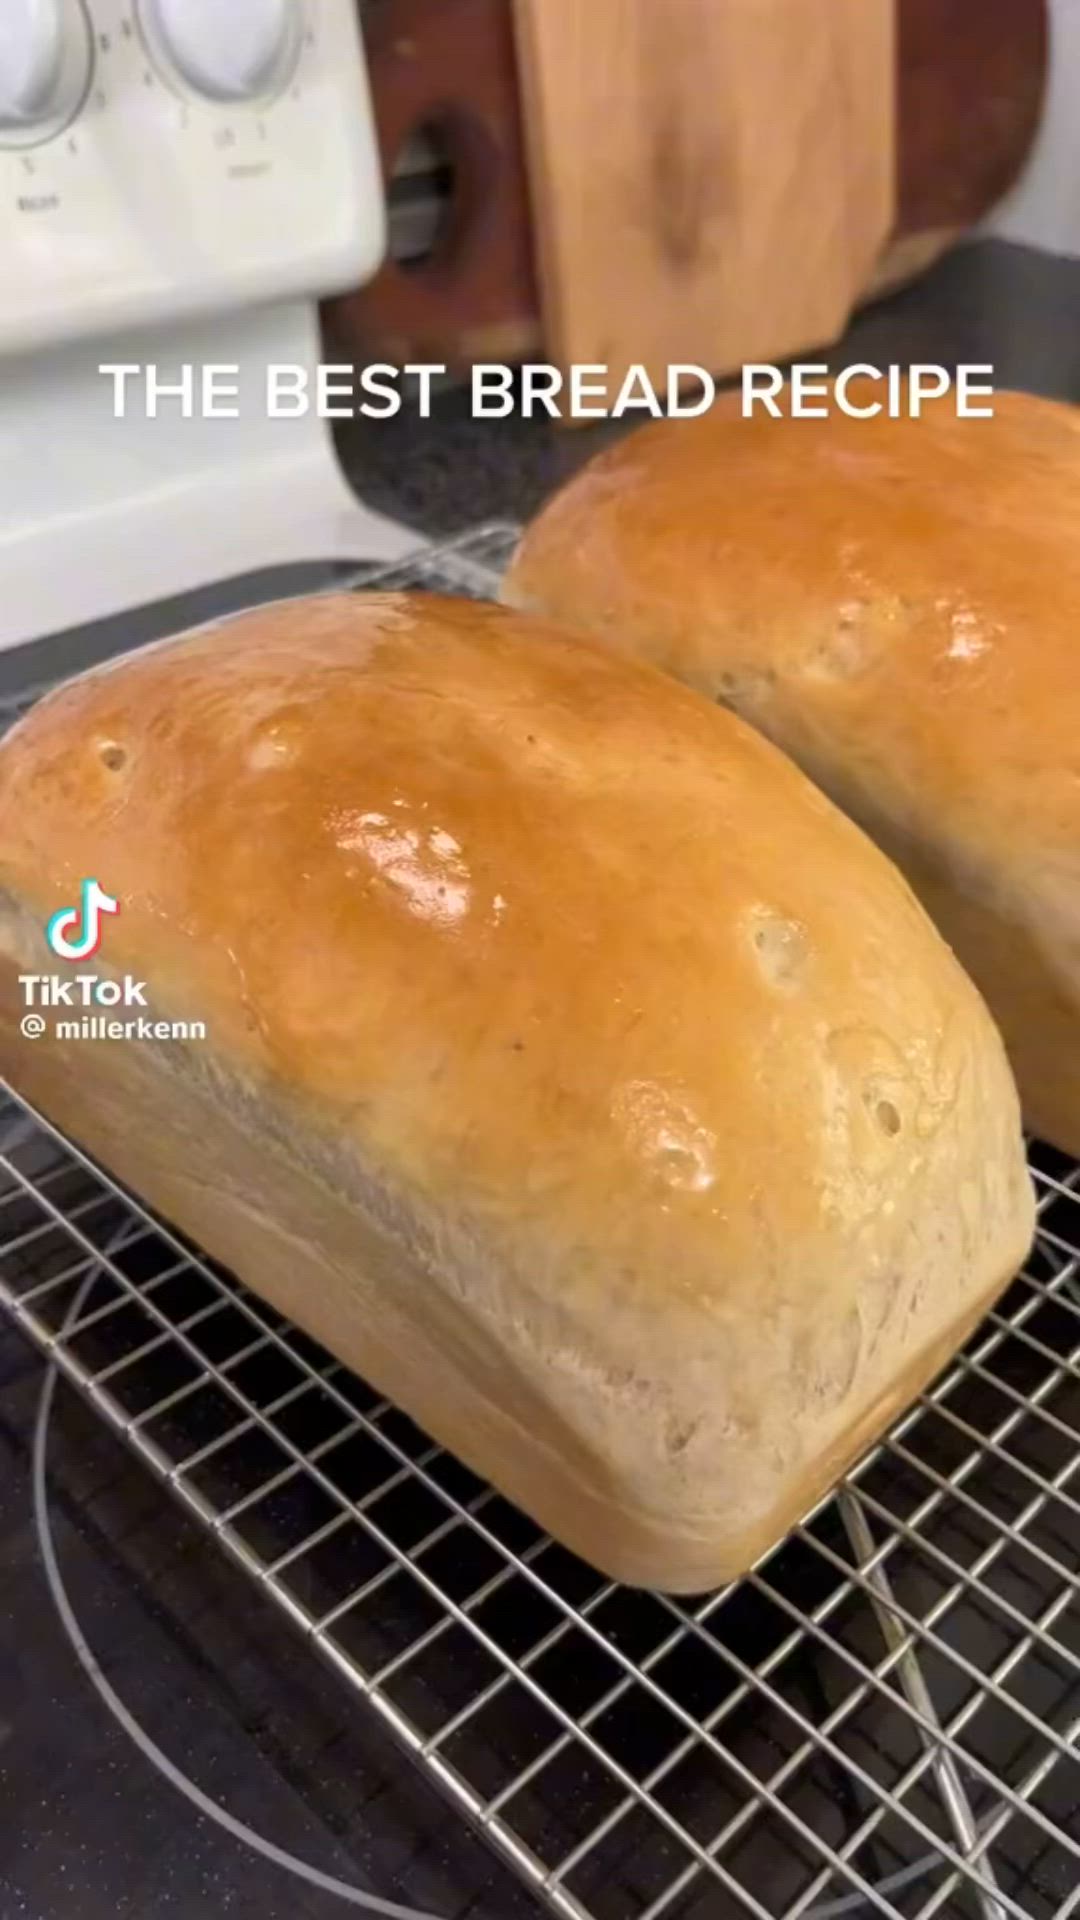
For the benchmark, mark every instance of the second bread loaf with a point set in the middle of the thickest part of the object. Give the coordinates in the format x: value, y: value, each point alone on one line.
x: 896, y: 604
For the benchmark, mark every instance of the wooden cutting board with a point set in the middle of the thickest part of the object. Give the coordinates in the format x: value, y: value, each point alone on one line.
x: 971, y: 79
x: 712, y: 180
x: 449, y: 66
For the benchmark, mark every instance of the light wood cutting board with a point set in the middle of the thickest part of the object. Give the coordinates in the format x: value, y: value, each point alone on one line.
x: 712, y: 180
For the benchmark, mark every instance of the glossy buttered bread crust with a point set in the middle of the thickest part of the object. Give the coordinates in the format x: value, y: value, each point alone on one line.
x: 573, y: 1069
x: 897, y: 604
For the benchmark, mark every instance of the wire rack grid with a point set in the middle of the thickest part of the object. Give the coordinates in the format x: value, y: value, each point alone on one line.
x: 882, y: 1719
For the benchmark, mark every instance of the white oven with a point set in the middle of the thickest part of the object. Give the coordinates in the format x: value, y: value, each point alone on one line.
x: 180, y: 180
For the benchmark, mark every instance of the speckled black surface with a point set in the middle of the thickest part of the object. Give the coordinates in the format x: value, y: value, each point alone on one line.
x: 87, y: 1830
x: 992, y: 302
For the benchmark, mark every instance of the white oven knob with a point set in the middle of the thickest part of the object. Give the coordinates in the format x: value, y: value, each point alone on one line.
x: 225, y: 49
x: 45, y: 61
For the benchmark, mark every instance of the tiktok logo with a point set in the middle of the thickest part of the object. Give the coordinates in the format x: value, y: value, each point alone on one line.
x: 75, y: 932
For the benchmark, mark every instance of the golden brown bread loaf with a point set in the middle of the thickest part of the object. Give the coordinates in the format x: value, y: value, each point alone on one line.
x: 895, y: 603
x: 573, y: 1069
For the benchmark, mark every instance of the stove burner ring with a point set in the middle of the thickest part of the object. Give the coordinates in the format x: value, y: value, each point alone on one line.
x: 300, y: 1869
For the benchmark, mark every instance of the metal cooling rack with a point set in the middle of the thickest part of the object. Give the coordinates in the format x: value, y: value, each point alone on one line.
x: 881, y: 1720
x: 472, y: 564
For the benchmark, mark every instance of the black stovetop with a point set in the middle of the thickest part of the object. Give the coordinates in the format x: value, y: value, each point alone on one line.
x: 87, y: 1829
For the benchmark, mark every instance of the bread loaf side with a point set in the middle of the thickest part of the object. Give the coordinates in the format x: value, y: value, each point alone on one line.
x: 572, y: 1068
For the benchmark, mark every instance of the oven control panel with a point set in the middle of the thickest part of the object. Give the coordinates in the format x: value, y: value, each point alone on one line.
x: 160, y: 158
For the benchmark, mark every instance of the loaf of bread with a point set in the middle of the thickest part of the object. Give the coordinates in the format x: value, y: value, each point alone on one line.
x: 573, y: 1069
x: 895, y: 603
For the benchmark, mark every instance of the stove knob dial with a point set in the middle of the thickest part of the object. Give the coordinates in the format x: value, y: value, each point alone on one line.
x: 225, y: 49
x: 45, y: 62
